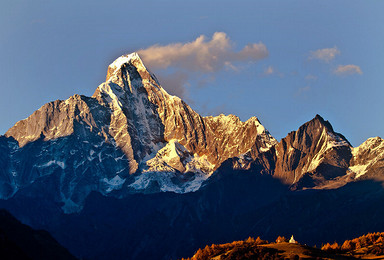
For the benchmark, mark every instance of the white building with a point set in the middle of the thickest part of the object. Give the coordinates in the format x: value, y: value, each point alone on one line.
x: 292, y: 240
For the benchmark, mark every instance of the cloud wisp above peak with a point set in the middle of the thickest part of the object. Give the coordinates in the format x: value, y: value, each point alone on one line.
x: 311, y: 77
x: 202, y: 55
x: 269, y: 71
x: 345, y: 70
x: 180, y: 63
x: 325, y: 55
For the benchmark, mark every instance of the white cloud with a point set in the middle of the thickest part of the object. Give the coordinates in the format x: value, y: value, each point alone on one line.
x: 311, y: 77
x: 269, y: 71
x: 231, y: 66
x: 348, y: 70
x: 325, y: 55
x: 201, y: 55
x: 175, y: 83
x: 303, y: 90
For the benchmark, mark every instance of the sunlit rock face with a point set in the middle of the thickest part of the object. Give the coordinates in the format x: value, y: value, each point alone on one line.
x: 316, y: 157
x: 312, y: 155
x: 368, y: 160
x: 130, y: 136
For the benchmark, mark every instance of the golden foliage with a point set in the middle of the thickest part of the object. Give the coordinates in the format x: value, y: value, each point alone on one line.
x: 331, y: 247
x: 281, y: 239
x: 236, y: 249
x: 347, y: 245
x: 374, y: 242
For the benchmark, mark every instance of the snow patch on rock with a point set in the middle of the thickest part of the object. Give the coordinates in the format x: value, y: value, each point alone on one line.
x: 175, y: 157
x: 330, y: 141
x: 169, y: 181
x: 359, y: 170
x: 60, y: 164
x: 174, y: 169
x: 124, y: 59
x: 115, y: 183
x: 372, y: 148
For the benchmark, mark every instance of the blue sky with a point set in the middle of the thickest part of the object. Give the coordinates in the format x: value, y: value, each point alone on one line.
x: 323, y: 57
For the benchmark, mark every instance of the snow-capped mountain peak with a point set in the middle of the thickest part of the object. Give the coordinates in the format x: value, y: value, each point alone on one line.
x: 123, y: 61
x: 130, y: 134
x: 116, y: 64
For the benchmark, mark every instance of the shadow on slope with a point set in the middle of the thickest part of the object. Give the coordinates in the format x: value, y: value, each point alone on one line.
x: 234, y: 206
x: 319, y: 216
x: 18, y: 241
x: 153, y: 226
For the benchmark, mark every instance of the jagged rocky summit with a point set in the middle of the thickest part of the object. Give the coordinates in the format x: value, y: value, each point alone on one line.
x: 132, y: 136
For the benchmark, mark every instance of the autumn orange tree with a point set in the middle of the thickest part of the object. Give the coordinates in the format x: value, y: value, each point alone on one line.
x: 331, y: 247
x: 281, y: 239
x: 373, y: 241
x: 248, y: 245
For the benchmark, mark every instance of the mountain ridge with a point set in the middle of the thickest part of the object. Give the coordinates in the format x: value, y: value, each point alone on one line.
x: 132, y: 136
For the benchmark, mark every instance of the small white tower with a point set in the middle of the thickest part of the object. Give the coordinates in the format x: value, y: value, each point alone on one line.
x: 292, y: 240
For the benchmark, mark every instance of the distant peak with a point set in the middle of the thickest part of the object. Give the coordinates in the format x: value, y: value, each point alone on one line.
x: 319, y: 117
x: 318, y: 120
x: 125, y: 59
x: 323, y: 122
x: 132, y: 59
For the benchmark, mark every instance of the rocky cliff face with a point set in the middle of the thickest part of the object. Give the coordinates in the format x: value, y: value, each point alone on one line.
x: 368, y: 160
x: 153, y: 116
x: 315, y: 152
x: 316, y: 157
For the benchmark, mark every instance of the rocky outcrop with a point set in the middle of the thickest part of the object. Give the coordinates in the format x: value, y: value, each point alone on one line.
x: 368, y: 160
x: 315, y: 152
x: 76, y: 115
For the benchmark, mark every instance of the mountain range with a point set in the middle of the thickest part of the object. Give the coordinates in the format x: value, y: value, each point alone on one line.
x: 135, y: 165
